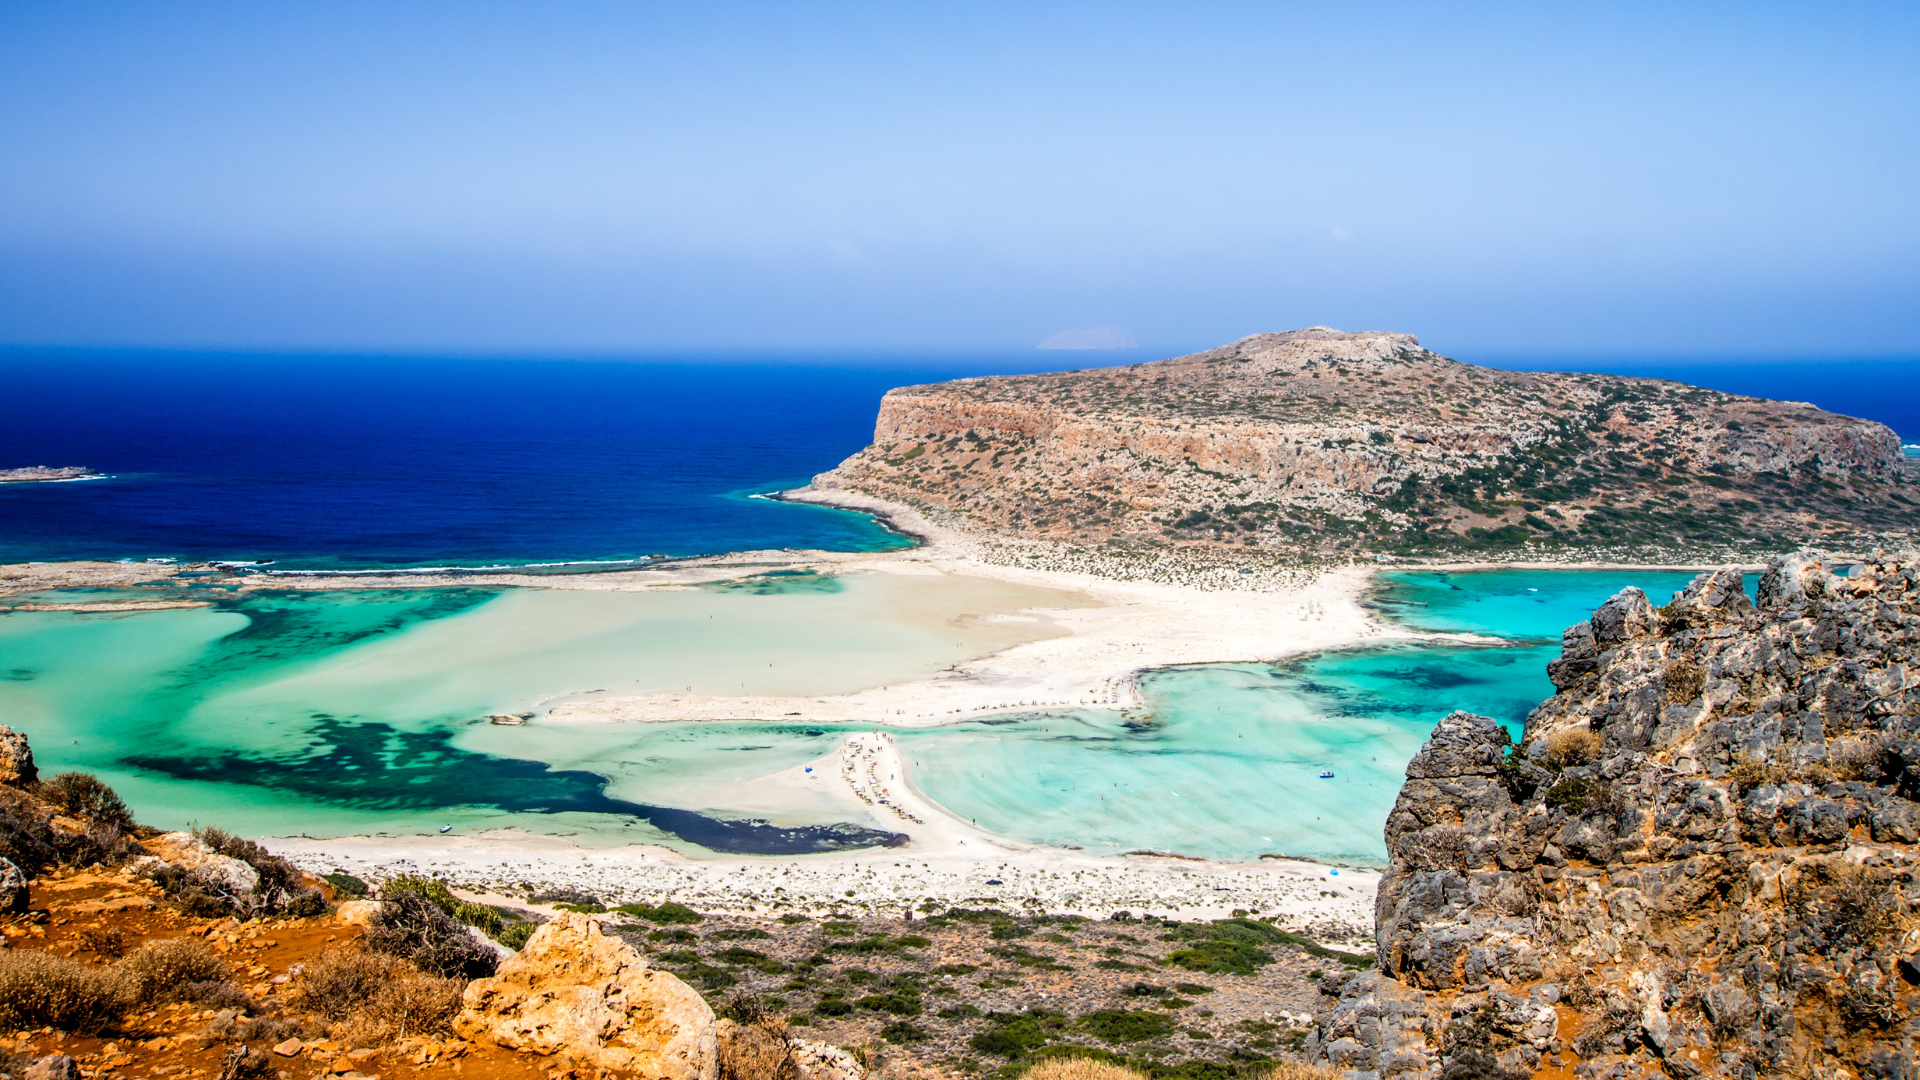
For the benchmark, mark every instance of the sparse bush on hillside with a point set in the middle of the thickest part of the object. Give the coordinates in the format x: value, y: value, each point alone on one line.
x: 25, y: 839
x: 756, y: 1044
x: 282, y: 889
x: 346, y: 886
x: 83, y: 795
x: 379, y: 997
x: 40, y: 989
x: 1856, y: 758
x: 168, y: 970
x: 666, y: 913
x: 241, y: 1063
x: 413, y: 928
x: 497, y: 923
x: 339, y: 982
x: 1855, y: 905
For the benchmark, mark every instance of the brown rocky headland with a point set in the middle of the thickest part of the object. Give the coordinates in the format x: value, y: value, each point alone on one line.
x: 1317, y: 442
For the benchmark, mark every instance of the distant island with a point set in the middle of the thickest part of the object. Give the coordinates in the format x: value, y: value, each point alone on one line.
x: 38, y: 473
x: 1318, y: 441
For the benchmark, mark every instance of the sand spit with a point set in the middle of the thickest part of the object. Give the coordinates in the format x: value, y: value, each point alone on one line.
x: 947, y: 860
x: 1225, y: 614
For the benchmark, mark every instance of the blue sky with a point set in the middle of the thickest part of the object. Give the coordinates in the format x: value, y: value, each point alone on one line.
x: 1680, y: 179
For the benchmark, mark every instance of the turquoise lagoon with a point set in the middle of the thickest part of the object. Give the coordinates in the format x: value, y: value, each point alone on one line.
x: 360, y: 711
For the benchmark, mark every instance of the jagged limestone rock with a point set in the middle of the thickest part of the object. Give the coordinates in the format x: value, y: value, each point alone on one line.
x: 189, y: 852
x: 1703, y: 853
x: 573, y: 989
x: 16, y: 759
x: 13, y: 889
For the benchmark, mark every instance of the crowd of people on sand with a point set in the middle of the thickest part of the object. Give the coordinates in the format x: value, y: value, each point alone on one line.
x: 858, y: 751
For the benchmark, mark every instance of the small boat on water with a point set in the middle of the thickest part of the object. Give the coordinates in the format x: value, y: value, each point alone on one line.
x: 1326, y: 774
x: 446, y: 828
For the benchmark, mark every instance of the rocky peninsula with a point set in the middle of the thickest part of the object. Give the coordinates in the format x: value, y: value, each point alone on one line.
x: 1316, y: 441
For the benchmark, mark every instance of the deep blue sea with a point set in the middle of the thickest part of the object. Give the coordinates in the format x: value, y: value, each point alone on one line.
x: 391, y: 461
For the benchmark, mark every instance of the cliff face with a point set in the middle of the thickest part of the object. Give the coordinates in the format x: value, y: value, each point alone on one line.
x: 1318, y: 438
x: 1701, y: 860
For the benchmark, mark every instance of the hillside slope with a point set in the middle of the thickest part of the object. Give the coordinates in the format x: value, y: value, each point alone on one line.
x: 1322, y: 440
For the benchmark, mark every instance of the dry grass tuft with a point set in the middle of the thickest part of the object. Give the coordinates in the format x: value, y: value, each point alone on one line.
x: 341, y: 982
x: 1572, y: 746
x: 1084, y: 1069
x: 419, y: 1004
x: 755, y: 1045
x: 171, y: 970
x: 41, y: 989
x: 1856, y: 758
x: 377, y: 998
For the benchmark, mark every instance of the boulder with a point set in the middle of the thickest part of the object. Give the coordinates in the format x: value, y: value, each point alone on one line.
x: 13, y: 889
x: 574, y: 989
x: 54, y: 1067
x: 356, y: 912
x: 16, y: 759
x: 824, y: 1061
x: 189, y: 852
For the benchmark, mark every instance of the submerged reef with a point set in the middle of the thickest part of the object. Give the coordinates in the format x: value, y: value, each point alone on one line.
x: 1700, y: 860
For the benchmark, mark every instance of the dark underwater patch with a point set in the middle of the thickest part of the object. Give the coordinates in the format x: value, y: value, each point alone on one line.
x: 373, y: 766
x: 779, y: 583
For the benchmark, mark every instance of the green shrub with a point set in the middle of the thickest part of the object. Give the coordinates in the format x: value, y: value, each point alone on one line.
x: 346, y: 886
x: 1127, y: 1025
x: 667, y: 913
x: 899, y: 1002
x: 515, y: 935
x: 903, y: 1031
x: 1013, y: 1035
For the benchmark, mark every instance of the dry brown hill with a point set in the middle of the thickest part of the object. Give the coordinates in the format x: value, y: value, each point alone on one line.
x: 1330, y: 441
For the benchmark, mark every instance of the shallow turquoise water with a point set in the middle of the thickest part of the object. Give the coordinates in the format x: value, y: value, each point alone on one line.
x: 358, y: 711
x: 1225, y: 762
x: 1524, y: 605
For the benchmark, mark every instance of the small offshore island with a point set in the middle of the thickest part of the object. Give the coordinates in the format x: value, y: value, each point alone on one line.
x: 41, y: 474
x: 1699, y: 856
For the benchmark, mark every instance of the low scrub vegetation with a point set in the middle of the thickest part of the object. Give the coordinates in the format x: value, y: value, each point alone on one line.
x: 375, y: 997
x: 40, y: 989
x: 413, y: 928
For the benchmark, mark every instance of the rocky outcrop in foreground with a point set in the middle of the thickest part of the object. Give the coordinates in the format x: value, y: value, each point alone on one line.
x: 575, y: 990
x: 1319, y: 440
x: 1699, y: 861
